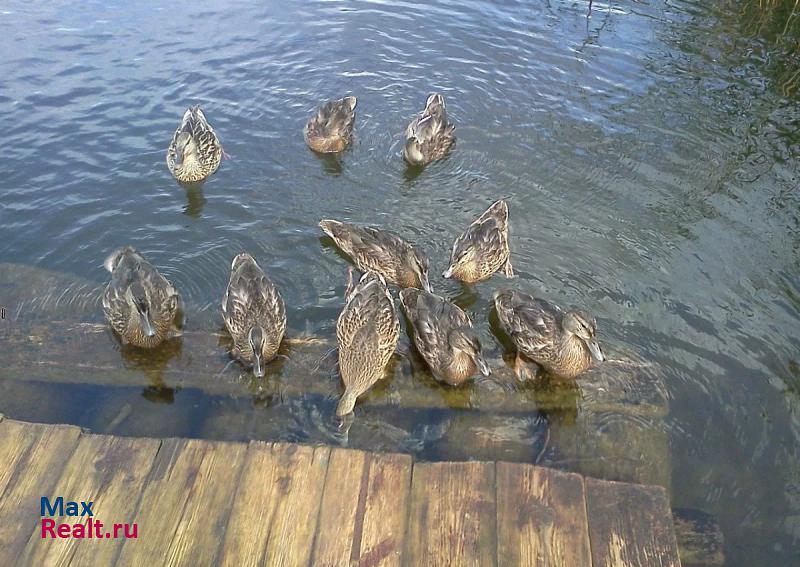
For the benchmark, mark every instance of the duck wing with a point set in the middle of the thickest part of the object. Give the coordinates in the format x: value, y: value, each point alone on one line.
x: 334, y: 118
x: 432, y: 317
x: 533, y: 324
x: 252, y: 298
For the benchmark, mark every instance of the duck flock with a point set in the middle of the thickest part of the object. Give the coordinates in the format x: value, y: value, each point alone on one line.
x: 142, y: 306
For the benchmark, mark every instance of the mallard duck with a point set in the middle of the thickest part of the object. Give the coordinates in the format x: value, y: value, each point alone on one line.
x: 139, y: 303
x: 195, y: 151
x: 331, y: 128
x: 382, y: 252
x: 254, y: 313
x: 563, y: 343
x: 483, y: 248
x: 444, y: 337
x: 429, y: 136
x: 367, y: 331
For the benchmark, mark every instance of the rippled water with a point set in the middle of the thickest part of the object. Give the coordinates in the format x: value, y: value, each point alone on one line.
x: 649, y: 153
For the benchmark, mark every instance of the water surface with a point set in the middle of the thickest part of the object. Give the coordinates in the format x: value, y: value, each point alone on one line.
x: 648, y: 154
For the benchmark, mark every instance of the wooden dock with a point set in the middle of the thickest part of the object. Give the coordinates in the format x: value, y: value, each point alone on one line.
x: 198, y: 502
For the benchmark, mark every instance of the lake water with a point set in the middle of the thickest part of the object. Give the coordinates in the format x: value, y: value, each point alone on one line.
x: 648, y: 152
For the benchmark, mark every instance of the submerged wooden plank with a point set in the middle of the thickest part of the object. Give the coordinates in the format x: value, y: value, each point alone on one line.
x: 364, y: 509
x: 74, y: 352
x: 110, y: 472
x: 541, y: 517
x: 452, y: 519
x: 630, y: 525
x: 32, y: 457
x: 276, y: 506
x: 185, y: 505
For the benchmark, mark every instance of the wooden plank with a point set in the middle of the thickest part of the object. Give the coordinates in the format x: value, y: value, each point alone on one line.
x: 362, y: 520
x: 541, y: 517
x: 337, y: 517
x: 630, y: 525
x: 276, y: 506
x: 108, y: 471
x: 186, y: 503
x: 70, y: 352
x: 386, y: 500
x: 32, y: 457
x: 452, y: 517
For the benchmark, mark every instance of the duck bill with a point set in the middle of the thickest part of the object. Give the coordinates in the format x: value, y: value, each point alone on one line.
x: 258, y: 369
x: 483, y: 366
x: 595, y: 350
x: 426, y: 284
x: 147, y: 325
x: 448, y: 273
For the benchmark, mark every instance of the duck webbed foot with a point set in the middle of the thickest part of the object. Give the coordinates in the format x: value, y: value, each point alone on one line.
x: 508, y: 269
x: 525, y: 369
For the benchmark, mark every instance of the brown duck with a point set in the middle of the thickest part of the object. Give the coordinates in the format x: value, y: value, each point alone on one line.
x: 367, y: 331
x: 254, y: 313
x: 483, y: 248
x: 444, y: 337
x: 429, y: 136
x: 563, y: 343
x: 382, y: 252
x: 330, y: 130
x: 139, y: 303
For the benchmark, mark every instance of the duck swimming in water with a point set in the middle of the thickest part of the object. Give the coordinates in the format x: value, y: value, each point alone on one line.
x: 382, y: 252
x: 563, y: 343
x: 330, y: 129
x: 444, y: 337
x: 195, y: 151
x: 139, y: 303
x: 483, y: 248
x: 367, y: 332
x: 254, y: 314
x: 429, y: 135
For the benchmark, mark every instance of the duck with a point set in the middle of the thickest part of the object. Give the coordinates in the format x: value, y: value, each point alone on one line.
x: 367, y: 332
x: 483, y: 248
x: 254, y: 314
x: 382, y: 252
x: 195, y: 151
x: 139, y: 303
x: 561, y: 342
x: 429, y: 135
x: 444, y: 336
x: 330, y: 129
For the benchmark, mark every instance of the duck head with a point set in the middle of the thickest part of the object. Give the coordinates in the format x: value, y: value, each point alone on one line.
x: 419, y: 266
x: 139, y: 300
x: 581, y: 325
x: 463, y: 340
x: 461, y: 262
x: 185, y: 148
x: 258, y: 340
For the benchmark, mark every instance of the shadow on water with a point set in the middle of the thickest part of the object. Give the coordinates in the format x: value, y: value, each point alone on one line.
x: 195, y: 200
x: 331, y: 163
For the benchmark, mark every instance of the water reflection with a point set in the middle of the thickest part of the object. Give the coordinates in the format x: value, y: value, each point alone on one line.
x: 195, y: 200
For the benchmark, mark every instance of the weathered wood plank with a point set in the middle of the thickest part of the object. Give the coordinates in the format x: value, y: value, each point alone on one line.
x: 109, y: 471
x: 337, y: 517
x: 276, y: 506
x: 184, y: 509
x: 385, y: 512
x: 32, y: 457
x: 362, y: 520
x: 630, y: 525
x: 66, y: 351
x: 541, y: 517
x: 452, y: 519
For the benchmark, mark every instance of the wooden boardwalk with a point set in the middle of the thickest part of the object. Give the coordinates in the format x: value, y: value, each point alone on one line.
x: 199, y: 502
